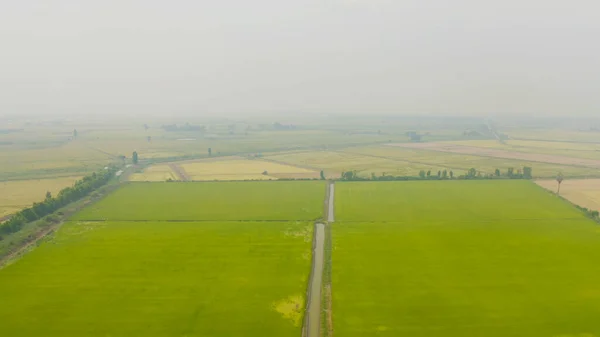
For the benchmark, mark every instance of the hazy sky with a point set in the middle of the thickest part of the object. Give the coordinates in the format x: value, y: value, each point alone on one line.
x: 330, y: 56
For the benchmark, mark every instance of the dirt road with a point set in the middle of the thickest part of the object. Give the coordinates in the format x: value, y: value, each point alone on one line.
x: 313, y: 314
x: 330, y: 213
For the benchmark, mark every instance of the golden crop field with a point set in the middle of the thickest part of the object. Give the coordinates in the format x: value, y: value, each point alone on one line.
x: 155, y: 173
x: 408, y: 162
x: 18, y: 194
x: 567, y: 149
x: 336, y: 162
x: 63, y: 160
x: 582, y: 192
x: 459, y: 162
x: 553, y: 134
x: 243, y: 169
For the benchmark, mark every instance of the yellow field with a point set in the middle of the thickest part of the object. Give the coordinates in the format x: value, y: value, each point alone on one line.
x: 465, y: 161
x: 18, y: 194
x: 582, y: 192
x: 334, y: 163
x: 568, y: 149
x: 60, y: 160
x: 408, y: 162
x: 549, y: 134
x: 155, y: 173
x: 243, y: 169
x: 226, y: 177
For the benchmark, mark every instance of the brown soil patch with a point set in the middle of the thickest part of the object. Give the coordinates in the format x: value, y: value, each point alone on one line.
x: 497, y: 153
x: 582, y: 192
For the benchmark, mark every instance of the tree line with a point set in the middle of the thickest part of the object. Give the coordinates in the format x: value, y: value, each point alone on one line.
x: 80, y: 189
x: 524, y: 173
x: 594, y: 215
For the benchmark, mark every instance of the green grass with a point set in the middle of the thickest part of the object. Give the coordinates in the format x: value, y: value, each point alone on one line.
x: 285, y: 200
x: 462, y: 259
x: 160, y: 279
x: 474, y: 200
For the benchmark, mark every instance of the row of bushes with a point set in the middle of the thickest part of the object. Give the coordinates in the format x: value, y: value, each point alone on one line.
x: 526, y: 173
x: 80, y: 189
x: 594, y: 215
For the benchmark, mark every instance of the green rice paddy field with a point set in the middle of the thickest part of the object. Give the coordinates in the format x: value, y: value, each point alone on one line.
x: 418, y: 258
x: 210, y: 277
x: 234, y: 201
x: 468, y: 258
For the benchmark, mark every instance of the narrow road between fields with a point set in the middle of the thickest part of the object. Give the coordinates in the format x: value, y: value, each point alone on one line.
x: 180, y: 172
x: 313, y: 319
x: 330, y: 213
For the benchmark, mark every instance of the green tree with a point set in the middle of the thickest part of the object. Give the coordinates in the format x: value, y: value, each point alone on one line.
x: 135, y: 157
x: 48, y: 195
x: 559, y: 180
x: 472, y: 172
x: 349, y: 175
x: 511, y: 171
x: 497, y: 172
x: 445, y: 174
x: 527, y: 172
x: 439, y: 173
x: 428, y: 173
x: 322, y: 175
x: 209, y: 151
x: 451, y: 175
x: 422, y: 174
x: 75, y: 133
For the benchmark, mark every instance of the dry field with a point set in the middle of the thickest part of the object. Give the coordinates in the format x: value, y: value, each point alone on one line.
x: 408, y: 162
x: 553, y: 134
x: 155, y: 173
x: 65, y: 160
x: 231, y: 168
x: 582, y: 192
x: 18, y: 194
x: 567, y: 149
x: 336, y: 162
x: 500, y: 153
x: 244, y: 169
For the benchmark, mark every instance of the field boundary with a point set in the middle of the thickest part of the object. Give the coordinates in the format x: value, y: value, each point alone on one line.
x: 190, y: 220
x: 584, y: 163
x: 179, y: 171
x: 466, y: 222
x: 43, y: 231
x: 312, y: 314
x: 27, y: 246
x: 326, y: 202
x: 327, y: 299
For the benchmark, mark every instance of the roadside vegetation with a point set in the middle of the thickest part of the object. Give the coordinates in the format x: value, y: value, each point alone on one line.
x: 46, y: 208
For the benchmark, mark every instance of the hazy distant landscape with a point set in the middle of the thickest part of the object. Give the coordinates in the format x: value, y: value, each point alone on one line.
x: 306, y: 168
x: 244, y: 193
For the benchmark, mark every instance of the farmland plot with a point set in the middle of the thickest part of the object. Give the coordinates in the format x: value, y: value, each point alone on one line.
x: 156, y: 279
x: 469, y: 258
x: 582, y: 192
x: 18, y: 194
x: 277, y: 200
